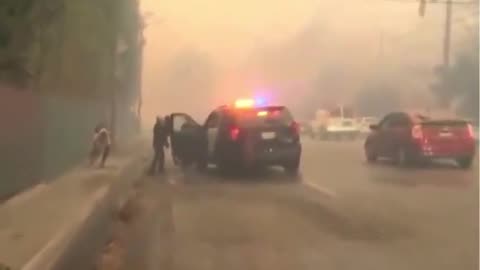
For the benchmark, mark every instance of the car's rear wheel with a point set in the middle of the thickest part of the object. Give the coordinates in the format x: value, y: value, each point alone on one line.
x: 202, y: 165
x: 402, y: 158
x: 292, y: 167
x: 371, y: 156
x: 224, y: 167
x: 465, y: 163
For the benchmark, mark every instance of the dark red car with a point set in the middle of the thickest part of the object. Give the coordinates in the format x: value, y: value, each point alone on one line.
x: 407, y: 138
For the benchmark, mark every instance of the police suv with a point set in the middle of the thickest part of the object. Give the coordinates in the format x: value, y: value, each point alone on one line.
x: 247, y: 134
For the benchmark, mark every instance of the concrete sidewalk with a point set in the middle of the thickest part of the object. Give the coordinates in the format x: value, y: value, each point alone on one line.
x: 34, y: 224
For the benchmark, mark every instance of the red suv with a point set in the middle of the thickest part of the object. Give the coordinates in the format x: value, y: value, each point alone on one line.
x: 409, y: 138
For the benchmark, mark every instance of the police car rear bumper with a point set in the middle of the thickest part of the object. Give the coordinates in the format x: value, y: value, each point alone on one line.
x: 278, y: 156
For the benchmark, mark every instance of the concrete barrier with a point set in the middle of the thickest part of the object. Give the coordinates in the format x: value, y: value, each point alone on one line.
x: 78, y: 245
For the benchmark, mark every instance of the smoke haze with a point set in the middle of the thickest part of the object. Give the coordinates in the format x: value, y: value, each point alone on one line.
x: 304, y: 53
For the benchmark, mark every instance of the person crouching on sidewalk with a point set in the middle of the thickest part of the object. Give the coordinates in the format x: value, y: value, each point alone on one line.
x: 100, y: 146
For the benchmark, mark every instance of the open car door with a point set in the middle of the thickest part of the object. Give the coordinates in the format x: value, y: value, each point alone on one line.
x: 187, y: 138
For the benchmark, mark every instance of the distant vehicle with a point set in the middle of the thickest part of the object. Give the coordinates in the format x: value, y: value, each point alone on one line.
x: 338, y: 123
x: 338, y: 129
x: 409, y: 138
x: 245, y: 135
x: 319, y: 123
x: 306, y: 129
x: 365, y: 123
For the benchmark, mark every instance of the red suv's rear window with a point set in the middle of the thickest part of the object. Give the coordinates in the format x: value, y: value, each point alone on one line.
x: 444, y: 123
x: 445, y: 129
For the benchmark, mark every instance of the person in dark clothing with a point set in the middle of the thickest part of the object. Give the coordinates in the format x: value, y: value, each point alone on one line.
x: 160, y: 141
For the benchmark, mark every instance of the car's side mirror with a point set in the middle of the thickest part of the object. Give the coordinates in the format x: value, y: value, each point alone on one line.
x: 373, y: 127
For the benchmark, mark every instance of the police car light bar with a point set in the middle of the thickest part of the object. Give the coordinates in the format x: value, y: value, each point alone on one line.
x: 244, y: 103
x: 250, y: 103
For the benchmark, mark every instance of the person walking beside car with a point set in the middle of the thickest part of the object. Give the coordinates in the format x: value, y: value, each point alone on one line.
x: 160, y: 141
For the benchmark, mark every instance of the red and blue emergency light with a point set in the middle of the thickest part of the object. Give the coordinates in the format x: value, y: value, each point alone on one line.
x: 250, y: 103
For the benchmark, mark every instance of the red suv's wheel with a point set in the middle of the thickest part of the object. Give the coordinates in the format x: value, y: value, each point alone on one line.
x: 403, y: 158
x: 370, y: 154
x: 371, y: 157
x: 465, y: 163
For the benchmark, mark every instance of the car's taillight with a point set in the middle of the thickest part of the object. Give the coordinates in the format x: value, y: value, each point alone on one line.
x: 234, y: 133
x: 295, y: 128
x: 417, y: 132
x: 470, y: 132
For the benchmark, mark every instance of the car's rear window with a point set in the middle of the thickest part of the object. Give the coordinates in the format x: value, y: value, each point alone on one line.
x: 450, y: 123
x: 428, y: 121
x: 266, y: 116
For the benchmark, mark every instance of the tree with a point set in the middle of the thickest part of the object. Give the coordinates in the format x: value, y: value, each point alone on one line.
x: 15, y: 21
x: 458, y: 86
x: 67, y: 47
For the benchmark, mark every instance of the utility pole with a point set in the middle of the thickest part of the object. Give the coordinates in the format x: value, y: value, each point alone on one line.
x: 112, y: 97
x: 448, y: 32
x: 118, y: 71
x: 381, y: 45
x: 141, y: 49
x: 448, y: 24
x: 140, y: 87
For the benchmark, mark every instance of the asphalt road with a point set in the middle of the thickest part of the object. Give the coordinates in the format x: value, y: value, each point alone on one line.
x: 341, y: 214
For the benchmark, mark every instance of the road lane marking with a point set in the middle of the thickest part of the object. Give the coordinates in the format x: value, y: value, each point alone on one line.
x: 325, y: 191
